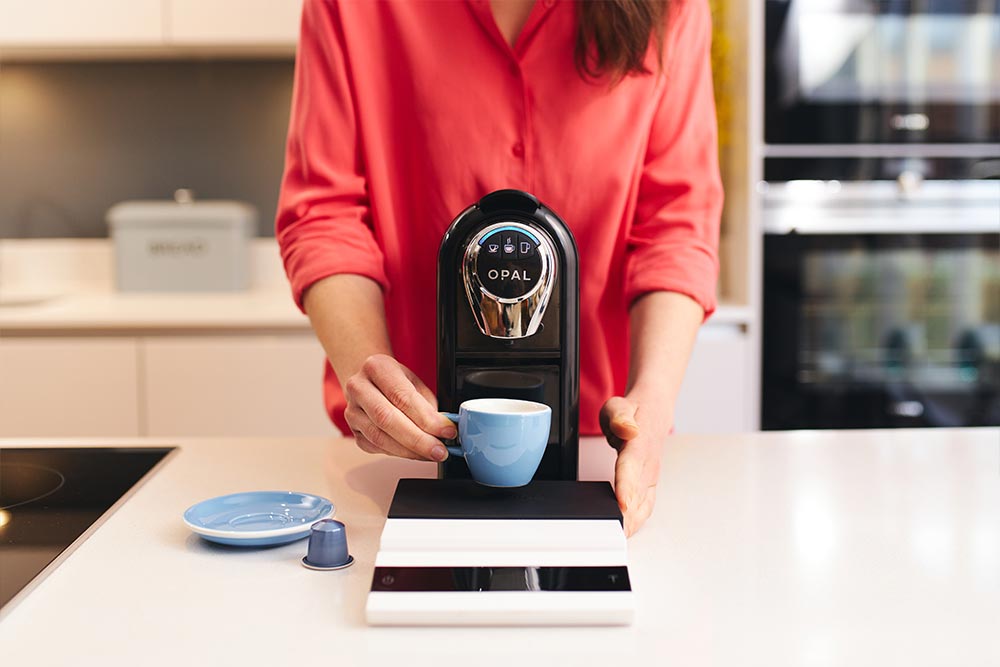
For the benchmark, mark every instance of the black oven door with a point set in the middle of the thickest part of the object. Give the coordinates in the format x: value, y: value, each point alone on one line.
x: 882, y: 71
x: 881, y: 330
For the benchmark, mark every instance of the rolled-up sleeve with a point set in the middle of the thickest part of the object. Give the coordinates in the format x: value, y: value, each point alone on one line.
x: 324, y: 225
x: 673, y: 242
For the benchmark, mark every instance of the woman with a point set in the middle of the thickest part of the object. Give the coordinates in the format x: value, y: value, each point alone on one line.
x: 404, y: 113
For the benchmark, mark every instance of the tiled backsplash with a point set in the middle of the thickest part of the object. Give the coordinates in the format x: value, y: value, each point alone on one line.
x: 76, y: 138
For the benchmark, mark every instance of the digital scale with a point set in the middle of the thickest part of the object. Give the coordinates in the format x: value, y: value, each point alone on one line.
x: 453, y: 552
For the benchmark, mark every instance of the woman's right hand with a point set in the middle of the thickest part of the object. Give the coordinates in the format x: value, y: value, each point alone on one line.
x: 392, y: 412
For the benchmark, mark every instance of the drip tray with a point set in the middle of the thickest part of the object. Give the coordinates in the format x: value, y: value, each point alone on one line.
x: 453, y: 552
x: 465, y: 499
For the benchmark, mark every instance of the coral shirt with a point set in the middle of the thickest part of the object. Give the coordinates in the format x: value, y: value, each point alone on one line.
x: 405, y: 113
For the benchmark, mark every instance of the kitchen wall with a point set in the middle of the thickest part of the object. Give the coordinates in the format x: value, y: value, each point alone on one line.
x: 77, y: 137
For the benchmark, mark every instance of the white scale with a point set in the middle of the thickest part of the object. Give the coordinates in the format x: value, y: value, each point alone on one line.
x: 499, y: 571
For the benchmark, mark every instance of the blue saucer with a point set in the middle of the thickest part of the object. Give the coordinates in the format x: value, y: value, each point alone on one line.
x: 257, y: 518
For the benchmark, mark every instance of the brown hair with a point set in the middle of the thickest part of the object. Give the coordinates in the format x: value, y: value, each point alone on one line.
x: 613, y: 36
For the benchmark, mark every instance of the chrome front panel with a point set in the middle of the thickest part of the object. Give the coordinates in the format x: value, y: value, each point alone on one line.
x: 509, y: 315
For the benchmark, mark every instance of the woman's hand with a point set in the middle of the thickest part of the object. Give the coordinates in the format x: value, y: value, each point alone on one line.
x: 392, y: 412
x: 637, y: 429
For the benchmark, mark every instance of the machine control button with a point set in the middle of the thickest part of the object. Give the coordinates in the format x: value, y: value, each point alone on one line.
x: 525, y: 247
x: 510, y: 245
x: 509, y: 272
x: 515, y: 270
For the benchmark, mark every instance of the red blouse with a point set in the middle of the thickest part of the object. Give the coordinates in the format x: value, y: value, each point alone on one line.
x: 404, y: 113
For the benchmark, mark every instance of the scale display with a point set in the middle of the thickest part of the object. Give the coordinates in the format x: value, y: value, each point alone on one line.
x: 495, y: 579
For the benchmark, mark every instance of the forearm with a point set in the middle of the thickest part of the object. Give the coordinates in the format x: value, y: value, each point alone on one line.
x: 663, y: 328
x: 348, y: 316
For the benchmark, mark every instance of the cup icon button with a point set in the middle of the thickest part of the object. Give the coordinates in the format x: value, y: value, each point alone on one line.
x: 509, y: 247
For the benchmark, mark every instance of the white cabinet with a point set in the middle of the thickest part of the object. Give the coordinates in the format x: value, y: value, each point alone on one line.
x: 80, y: 23
x: 222, y: 23
x: 259, y: 385
x: 68, y: 387
x: 714, y: 397
x: 248, y: 385
x: 67, y: 28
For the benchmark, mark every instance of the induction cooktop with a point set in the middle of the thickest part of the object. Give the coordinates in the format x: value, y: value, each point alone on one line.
x: 52, y: 498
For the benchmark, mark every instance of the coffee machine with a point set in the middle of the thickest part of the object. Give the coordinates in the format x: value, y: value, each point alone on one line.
x: 455, y: 552
x: 508, y: 318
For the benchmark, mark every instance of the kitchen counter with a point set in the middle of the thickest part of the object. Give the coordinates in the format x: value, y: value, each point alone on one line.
x: 801, y: 548
x: 34, y: 312
x: 116, y: 312
x: 66, y: 287
x: 52, y: 287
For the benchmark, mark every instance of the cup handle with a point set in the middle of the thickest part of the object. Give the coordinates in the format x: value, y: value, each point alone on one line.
x: 454, y: 451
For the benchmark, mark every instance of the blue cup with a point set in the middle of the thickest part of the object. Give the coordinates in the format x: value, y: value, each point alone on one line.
x: 501, y: 439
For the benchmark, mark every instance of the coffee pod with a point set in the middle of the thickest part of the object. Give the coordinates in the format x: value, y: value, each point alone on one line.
x: 328, y: 546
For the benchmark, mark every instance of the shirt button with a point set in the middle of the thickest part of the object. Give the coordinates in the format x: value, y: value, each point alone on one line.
x: 517, y: 149
x: 549, y: 3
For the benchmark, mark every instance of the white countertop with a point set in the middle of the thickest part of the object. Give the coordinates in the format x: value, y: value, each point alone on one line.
x: 66, y: 286
x: 61, y: 286
x: 116, y: 312
x: 807, y: 548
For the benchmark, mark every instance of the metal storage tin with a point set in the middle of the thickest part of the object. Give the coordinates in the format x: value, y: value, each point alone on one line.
x: 182, y: 245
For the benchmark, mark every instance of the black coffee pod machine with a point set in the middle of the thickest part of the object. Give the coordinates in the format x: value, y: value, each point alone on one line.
x: 453, y: 551
x: 509, y: 327
x: 508, y: 318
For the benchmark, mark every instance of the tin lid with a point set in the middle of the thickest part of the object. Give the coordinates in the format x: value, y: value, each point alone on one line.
x: 183, y: 210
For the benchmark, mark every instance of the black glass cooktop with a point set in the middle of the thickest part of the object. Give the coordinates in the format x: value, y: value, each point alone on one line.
x: 50, y: 496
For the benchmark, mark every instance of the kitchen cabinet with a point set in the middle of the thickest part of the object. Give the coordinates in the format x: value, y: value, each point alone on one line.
x: 258, y: 385
x: 72, y: 28
x: 55, y: 387
x: 71, y: 23
x: 713, y: 398
x: 229, y: 364
x: 221, y: 23
x: 246, y: 385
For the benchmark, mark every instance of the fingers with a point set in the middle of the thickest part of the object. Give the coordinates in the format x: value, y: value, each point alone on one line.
x: 637, y: 472
x: 637, y: 469
x: 391, y: 411
x: 386, y: 426
x: 423, y: 389
x: 634, y: 519
x: 628, y: 471
x: 373, y: 440
x: 618, y: 423
x: 398, y: 388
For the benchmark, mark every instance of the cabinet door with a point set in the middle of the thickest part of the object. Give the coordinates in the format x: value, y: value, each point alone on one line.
x: 74, y: 23
x: 74, y: 387
x: 234, y: 386
x: 716, y: 396
x: 224, y: 23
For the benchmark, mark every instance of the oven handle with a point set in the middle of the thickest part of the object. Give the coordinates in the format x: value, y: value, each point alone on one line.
x: 814, y: 222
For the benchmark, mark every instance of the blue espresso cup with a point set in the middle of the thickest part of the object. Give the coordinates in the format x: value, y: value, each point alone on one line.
x: 502, y: 439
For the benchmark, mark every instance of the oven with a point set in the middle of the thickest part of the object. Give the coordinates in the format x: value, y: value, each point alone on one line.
x: 882, y: 72
x: 881, y: 303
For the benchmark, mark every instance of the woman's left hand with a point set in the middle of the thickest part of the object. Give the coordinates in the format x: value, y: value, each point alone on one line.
x: 638, y: 430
